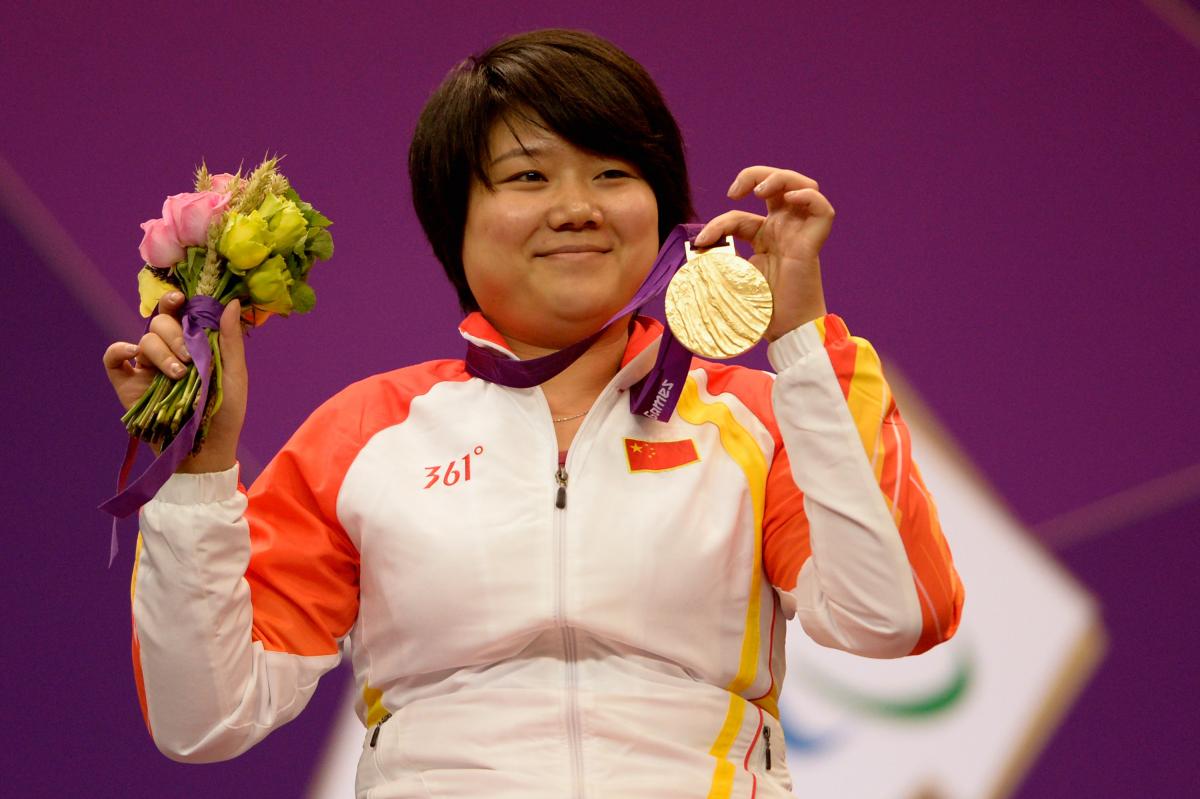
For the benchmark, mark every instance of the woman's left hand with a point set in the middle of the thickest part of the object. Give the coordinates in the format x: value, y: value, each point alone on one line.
x: 787, y: 241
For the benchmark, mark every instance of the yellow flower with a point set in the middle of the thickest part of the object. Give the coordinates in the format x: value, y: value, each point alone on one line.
x: 284, y: 221
x: 244, y: 242
x: 151, y: 289
x: 269, y: 284
x: 270, y: 206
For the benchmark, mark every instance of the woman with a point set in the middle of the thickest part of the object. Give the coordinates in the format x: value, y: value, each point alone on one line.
x: 543, y: 593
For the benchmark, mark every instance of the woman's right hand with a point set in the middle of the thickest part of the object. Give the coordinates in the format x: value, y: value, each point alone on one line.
x: 131, y: 367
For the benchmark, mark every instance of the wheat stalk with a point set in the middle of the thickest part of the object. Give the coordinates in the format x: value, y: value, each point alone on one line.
x: 210, y: 273
x: 256, y: 186
x: 203, y: 179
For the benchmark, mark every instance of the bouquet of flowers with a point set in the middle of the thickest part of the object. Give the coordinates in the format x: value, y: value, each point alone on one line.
x: 250, y: 238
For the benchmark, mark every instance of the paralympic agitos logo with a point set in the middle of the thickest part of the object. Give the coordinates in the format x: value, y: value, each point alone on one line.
x: 848, y: 701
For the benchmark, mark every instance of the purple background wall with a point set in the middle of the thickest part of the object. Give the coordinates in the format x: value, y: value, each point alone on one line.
x: 1017, y: 195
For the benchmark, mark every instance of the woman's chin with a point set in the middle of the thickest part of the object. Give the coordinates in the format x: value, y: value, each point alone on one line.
x: 561, y: 333
x: 579, y: 308
x: 559, y: 330
x: 558, y: 318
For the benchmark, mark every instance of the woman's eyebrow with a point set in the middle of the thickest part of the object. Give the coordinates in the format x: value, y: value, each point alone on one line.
x: 530, y: 152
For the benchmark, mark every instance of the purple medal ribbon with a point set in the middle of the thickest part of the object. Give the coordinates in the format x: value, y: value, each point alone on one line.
x: 656, y: 394
x: 200, y: 314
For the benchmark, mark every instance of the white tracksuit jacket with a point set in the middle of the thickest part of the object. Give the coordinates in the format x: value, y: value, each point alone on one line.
x: 617, y: 636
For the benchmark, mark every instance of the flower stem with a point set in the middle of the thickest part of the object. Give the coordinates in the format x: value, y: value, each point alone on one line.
x: 216, y: 391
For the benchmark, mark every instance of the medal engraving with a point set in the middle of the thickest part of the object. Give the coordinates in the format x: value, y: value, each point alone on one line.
x: 718, y: 304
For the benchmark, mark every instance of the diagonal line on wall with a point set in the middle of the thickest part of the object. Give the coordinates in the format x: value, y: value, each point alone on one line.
x: 1121, y: 509
x: 59, y: 252
x: 1181, y: 16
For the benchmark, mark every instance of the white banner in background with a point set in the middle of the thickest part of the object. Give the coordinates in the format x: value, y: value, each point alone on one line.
x: 962, y: 721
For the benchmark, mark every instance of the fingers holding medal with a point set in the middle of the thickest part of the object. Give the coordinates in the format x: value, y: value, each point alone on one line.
x: 787, y: 241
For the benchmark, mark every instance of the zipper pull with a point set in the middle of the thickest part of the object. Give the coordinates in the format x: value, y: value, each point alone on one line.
x: 375, y: 735
x: 560, y: 477
x: 767, y: 744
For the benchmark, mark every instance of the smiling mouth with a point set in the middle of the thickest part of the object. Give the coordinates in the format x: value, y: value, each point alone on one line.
x: 573, y: 255
x: 574, y: 250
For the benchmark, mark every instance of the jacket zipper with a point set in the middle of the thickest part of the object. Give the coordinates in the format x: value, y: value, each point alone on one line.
x: 570, y: 644
x: 375, y: 734
x: 568, y: 635
x: 763, y: 734
x: 560, y: 477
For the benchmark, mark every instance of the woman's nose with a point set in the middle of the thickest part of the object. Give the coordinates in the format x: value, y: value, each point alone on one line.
x: 575, y: 208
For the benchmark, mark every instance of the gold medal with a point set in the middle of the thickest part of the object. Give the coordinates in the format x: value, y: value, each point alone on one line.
x: 718, y: 304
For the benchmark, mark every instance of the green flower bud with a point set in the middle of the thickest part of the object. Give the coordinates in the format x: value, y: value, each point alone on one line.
x: 272, y: 205
x: 269, y: 286
x: 285, y: 222
x: 245, y: 241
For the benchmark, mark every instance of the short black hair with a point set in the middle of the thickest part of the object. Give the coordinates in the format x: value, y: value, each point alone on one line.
x: 581, y: 87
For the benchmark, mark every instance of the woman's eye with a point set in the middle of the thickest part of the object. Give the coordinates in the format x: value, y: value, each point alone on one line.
x: 529, y: 176
x: 615, y: 173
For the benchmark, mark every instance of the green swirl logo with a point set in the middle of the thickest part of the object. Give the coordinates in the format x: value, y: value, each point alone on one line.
x: 915, y: 706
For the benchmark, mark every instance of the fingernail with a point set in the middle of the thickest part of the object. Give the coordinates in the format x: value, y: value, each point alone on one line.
x: 732, y: 186
x: 759, y: 188
x: 177, y: 369
x: 131, y: 350
x: 175, y: 296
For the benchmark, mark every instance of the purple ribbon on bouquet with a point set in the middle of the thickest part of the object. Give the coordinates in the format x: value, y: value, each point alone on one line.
x: 656, y: 394
x: 200, y: 314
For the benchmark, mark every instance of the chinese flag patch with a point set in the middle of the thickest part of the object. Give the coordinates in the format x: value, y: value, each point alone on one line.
x: 658, y: 456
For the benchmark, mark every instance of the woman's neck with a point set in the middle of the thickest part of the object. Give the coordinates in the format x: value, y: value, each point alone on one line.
x: 574, y: 389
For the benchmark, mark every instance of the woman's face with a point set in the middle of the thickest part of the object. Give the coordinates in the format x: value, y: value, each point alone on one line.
x: 562, y: 240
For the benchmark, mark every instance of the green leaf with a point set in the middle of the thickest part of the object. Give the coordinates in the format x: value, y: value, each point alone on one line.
x: 193, y: 262
x: 295, y: 266
x: 303, y: 297
x: 320, y: 244
x: 313, y: 217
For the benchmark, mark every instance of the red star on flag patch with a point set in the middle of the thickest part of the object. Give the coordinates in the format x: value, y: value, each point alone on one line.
x: 659, y: 456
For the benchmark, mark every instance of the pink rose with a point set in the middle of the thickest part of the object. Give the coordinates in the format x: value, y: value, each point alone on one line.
x: 221, y: 182
x: 160, y: 247
x: 190, y: 214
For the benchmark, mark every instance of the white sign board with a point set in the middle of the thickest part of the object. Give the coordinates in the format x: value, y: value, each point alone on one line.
x: 965, y: 719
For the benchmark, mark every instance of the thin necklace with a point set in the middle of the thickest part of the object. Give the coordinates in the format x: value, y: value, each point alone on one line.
x: 557, y: 419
